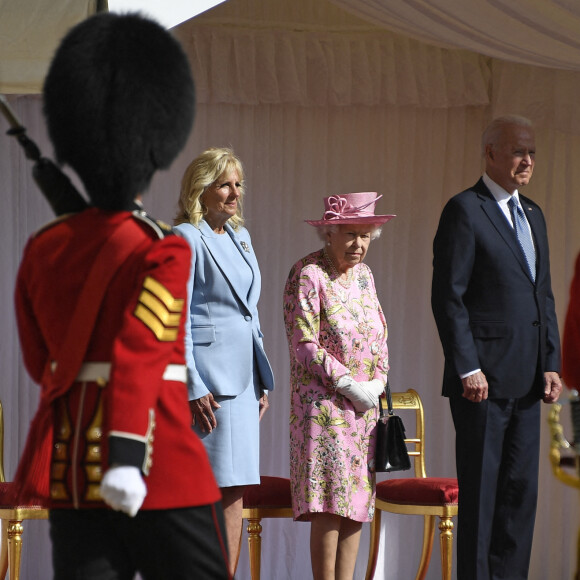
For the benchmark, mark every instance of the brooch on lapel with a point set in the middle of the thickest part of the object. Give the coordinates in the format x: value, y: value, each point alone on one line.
x: 245, y: 246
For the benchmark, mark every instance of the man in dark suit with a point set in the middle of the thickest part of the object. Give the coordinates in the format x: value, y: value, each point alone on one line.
x: 493, y: 305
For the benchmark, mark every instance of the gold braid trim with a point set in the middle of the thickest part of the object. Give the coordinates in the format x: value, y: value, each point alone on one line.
x: 159, y: 310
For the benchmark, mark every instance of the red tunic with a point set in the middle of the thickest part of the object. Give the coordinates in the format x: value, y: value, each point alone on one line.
x: 136, y: 417
x: 571, y: 339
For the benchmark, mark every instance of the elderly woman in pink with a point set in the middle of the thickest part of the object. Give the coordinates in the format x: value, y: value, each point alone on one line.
x: 337, y: 336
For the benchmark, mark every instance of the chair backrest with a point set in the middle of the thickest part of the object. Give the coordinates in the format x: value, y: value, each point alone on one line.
x: 558, y: 442
x: 2, y: 477
x: 411, y: 401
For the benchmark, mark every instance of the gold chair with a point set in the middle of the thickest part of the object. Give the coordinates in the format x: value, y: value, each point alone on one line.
x: 270, y: 499
x: 566, y: 467
x: 429, y: 497
x: 12, y: 517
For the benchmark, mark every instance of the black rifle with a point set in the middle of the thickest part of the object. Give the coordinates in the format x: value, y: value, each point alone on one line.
x: 56, y: 187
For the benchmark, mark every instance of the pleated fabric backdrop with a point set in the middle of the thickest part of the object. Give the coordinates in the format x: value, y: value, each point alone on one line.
x: 314, y: 112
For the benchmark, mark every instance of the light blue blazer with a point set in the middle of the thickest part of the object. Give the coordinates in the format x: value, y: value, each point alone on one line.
x: 222, y: 332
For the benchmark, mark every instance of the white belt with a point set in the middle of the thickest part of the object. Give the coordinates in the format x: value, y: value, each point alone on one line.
x: 94, y: 371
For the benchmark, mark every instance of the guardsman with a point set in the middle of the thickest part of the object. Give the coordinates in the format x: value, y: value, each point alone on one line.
x: 100, y: 300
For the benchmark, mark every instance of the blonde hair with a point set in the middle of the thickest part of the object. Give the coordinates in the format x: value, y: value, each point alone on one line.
x: 202, y: 172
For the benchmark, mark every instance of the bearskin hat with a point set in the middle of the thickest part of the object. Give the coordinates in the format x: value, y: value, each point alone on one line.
x: 119, y: 104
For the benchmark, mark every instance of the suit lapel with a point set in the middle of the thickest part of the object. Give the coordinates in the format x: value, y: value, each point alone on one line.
x: 248, y: 254
x: 498, y: 219
x: 216, y: 251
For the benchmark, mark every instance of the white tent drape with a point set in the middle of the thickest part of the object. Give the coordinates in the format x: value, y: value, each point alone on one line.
x: 29, y: 34
x: 316, y: 102
x: 536, y: 32
x: 321, y: 68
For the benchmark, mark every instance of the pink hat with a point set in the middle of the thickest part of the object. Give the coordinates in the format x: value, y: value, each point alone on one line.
x: 351, y: 208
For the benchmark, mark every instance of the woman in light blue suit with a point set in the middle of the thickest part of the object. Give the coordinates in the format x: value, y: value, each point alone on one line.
x: 228, y: 371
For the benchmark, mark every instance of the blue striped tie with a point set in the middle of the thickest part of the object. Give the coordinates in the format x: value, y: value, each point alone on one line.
x: 523, y: 235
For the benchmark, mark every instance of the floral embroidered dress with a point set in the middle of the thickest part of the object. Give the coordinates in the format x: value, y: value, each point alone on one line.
x: 333, y: 330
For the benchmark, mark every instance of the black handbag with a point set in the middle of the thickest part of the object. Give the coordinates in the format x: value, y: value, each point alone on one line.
x: 391, y: 452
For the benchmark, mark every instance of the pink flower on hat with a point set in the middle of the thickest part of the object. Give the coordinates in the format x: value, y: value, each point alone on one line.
x: 351, y: 208
x: 336, y: 207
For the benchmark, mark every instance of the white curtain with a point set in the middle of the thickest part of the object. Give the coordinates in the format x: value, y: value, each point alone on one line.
x: 320, y: 68
x: 30, y: 31
x: 536, y: 32
x: 312, y: 115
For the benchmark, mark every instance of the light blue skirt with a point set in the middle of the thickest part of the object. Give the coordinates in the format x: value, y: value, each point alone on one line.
x: 234, y: 445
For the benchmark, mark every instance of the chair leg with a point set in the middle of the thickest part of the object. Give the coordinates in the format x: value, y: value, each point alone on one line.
x: 255, y: 546
x: 14, y: 548
x: 446, y: 543
x: 4, y: 550
x: 577, y: 576
x: 428, y: 533
x: 374, y: 545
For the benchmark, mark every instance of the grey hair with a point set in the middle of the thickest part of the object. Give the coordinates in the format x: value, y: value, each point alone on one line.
x: 493, y: 130
x: 323, y: 230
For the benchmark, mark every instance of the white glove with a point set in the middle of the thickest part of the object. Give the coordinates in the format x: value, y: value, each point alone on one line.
x: 123, y: 489
x: 361, y: 395
x: 376, y: 386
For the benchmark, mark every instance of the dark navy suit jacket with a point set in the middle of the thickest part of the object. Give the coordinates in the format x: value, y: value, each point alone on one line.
x: 489, y: 312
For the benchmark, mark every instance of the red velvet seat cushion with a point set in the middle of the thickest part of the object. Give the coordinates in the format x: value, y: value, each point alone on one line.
x: 272, y: 492
x: 6, y: 491
x: 419, y: 491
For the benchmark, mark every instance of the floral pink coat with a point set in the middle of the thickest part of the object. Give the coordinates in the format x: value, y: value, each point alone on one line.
x: 332, y: 331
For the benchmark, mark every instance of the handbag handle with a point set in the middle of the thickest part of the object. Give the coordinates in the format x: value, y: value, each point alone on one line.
x: 389, y: 401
